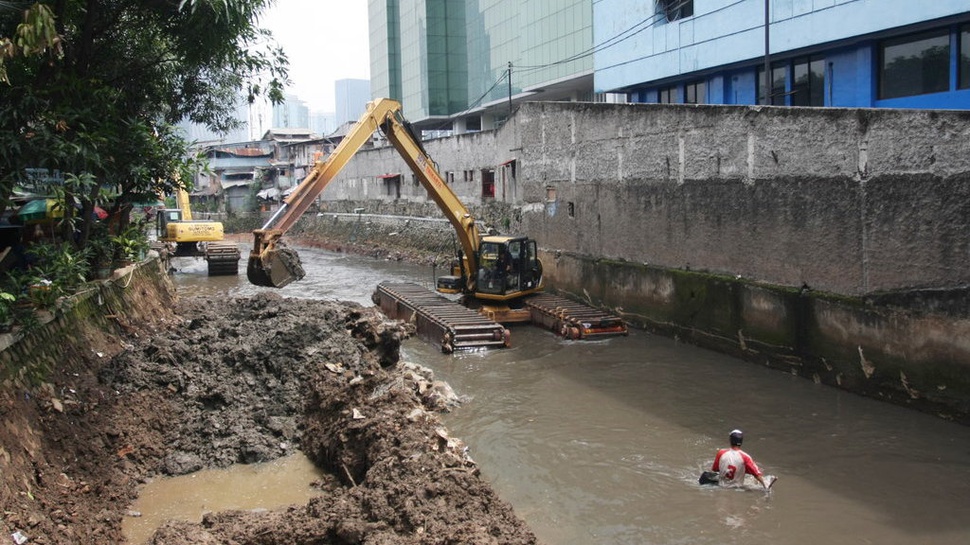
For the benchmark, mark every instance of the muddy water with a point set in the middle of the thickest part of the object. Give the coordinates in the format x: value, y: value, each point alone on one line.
x: 287, y: 481
x: 603, y: 442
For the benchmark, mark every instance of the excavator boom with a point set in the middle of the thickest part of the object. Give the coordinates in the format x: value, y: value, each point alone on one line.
x: 499, y: 276
x: 272, y: 264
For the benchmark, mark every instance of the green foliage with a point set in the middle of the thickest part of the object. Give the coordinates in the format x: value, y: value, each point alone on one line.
x: 7, y: 301
x: 131, y: 244
x: 94, y: 89
x: 57, y: 270
x: 53, y: 271
x: 99, y: 250
x: 34, y: 37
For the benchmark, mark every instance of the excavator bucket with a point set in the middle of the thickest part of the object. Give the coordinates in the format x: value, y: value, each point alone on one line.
x: 274, y: 267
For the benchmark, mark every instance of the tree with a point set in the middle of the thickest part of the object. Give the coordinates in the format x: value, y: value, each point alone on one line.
x: 94, y: 88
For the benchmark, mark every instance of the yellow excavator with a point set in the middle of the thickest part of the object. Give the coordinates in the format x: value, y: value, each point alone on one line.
x: 186, y: 237
x: 493, y: 272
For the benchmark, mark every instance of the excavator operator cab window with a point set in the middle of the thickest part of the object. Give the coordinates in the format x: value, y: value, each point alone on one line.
x: 514, y: 266
x: 504, y: 267
x: 165, y: 217
x: 531, y: 269
x: 489, y: 278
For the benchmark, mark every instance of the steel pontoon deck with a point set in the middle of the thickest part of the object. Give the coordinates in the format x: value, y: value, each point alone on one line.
x: 573, y: 320
x: 439, y: 319
x: 456, y: 327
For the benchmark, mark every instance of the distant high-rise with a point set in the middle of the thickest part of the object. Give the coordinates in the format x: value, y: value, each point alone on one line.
x: 323, y: 123
x: 352, y: 96
x: 194, y: 132
x: 448, y: 61
x: 292, y: 113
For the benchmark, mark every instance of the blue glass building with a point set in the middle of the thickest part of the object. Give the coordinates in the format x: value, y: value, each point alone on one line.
x: 852, y: 53
x: 458, y: 64
x: 449, y: 61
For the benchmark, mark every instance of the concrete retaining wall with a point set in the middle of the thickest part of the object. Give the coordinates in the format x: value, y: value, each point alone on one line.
x: 845, y: 201
x: 97, y: 317
x: 829, y: 242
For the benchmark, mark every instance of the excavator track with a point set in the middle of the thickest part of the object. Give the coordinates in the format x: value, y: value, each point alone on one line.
x: 573, y: 320
x: 222, y: 258
x: 439, y: 319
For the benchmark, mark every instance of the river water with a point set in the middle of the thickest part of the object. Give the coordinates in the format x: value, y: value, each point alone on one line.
x: 602, y: 442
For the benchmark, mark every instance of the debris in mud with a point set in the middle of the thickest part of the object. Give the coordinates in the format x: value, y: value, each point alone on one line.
x: 248, y: 380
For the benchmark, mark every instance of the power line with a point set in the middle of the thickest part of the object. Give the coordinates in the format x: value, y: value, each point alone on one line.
x: 651, y: 21
x: 638, y: 28
x: 478, y: 101
x: 625, y: 35
x: 621, y: 37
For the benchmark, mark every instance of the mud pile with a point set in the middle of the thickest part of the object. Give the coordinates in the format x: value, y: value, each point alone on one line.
x: 248, y: 380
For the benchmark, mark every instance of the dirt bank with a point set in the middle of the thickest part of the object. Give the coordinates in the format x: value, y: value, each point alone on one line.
x: 248, y: 380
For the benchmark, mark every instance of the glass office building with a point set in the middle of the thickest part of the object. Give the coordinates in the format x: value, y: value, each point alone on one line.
x: 839, y: 53
x: 448, y: 61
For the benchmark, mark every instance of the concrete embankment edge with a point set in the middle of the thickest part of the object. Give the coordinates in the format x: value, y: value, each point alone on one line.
x: 95, y: 318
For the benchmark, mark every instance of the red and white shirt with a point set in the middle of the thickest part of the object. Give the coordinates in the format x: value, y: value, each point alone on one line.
x: 732, y: 464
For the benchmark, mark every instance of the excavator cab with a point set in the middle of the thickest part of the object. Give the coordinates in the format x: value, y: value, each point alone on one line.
x: 164, y: 217
x: 507, y: 267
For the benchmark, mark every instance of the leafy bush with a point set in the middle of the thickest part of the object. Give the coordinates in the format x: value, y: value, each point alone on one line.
x: 55, y: 270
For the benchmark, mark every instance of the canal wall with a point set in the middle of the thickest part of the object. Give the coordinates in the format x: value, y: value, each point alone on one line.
x: 830, y: 243
x: 134, y: 300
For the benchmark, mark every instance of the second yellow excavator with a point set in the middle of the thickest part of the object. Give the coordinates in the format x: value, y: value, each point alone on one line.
x: 186, y: 237
x: 493, y: 272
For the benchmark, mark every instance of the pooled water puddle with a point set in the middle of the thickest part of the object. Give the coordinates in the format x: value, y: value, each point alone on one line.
x: 286, y: 481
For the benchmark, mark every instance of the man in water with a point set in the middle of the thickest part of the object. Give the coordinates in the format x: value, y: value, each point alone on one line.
x: 731, y: 464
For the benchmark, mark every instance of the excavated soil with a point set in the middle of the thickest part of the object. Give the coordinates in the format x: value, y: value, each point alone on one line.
x: 249, y: 380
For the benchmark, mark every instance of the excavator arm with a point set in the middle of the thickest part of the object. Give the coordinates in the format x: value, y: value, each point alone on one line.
x: 399, y: 132
x: 272, y: 264
x: 182, y: 200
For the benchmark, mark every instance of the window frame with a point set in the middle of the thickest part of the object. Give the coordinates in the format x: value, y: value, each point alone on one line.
x: 694, y: 85
x: 963, y: 46
x: 808, y: 62
x: 675, y: 10
x: 882, y: 93
x: 670, y: 92
x: 775, y: 98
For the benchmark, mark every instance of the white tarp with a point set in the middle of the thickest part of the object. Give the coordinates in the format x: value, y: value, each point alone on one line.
x: 269, y: 194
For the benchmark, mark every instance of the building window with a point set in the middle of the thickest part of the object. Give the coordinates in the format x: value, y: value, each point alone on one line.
x: 667, y: 96
x: 808, y: 82
x: 779, y: 94
x: 675, y: 9
x: 488, y: 184
x: 964, y: 62
x: 392, y: 185
x: 914, y: 65
x: 469, y: 175
x: 695, y: 93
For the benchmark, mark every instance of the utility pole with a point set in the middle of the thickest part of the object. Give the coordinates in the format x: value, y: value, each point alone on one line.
x: 510, y: 89
x: 766, y: 87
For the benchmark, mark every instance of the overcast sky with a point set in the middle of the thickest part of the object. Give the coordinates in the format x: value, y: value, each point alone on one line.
x: 325, y: 40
